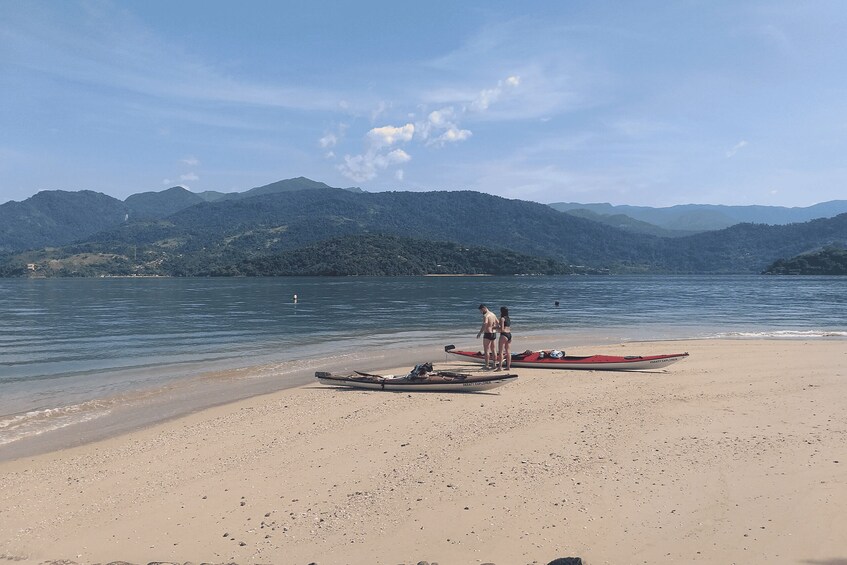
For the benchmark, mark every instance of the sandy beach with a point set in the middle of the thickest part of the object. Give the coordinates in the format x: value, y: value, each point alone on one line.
x: 737, y: 454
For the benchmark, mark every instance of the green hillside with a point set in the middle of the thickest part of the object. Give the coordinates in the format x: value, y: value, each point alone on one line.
x: 831, y: 261
x: 390, y: 256
x: 286, y: 221
x: 241, y: 236
x: 372, y: 255
x: 57, y: 217
x: 154, y: 205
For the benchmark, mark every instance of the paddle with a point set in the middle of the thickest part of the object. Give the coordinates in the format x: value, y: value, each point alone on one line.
x: 369, y: 375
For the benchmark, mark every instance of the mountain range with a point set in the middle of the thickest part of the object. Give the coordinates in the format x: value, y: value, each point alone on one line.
x: 58, y: 217
x: 689, y: 218
x: 278, y: 229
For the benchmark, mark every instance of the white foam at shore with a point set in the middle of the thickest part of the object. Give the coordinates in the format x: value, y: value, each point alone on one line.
x: 37, y: 422
x: 787, y: 334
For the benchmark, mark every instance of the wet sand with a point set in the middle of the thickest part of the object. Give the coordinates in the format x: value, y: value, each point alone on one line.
x: 734, y: 455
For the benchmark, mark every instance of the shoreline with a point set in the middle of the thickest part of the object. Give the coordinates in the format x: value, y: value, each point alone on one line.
x: 134, y: 410
x: 735, y: 454
x: 94, y: 418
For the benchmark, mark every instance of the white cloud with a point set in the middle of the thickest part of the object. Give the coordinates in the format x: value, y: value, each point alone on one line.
x: 453, y: 135
x: 190, y: 161
x: 356, y: 167
x: 189, y: 176
x: 332, y: 139
x: 398, y: 156
x: 736, y: 148
x: 389, y: 135
x: 166, y: 182
x: 437, y: 120
x: 329, y: 140
x: 489, y: 96
x: 441, y: 118
x: 440, y: 128
x: 366, y: 167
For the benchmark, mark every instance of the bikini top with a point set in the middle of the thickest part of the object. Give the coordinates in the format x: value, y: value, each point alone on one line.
x: 508, y: 323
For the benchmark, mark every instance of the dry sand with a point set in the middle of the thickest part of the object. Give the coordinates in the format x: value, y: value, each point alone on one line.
x: 735, y: 455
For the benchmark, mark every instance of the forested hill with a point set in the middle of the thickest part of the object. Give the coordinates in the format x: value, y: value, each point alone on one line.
x: 830, y: 261
x: 280, y: 222
x: 219, y: 236
x: 382, y: 255
x: 57, y: 217
x: 154, y: 205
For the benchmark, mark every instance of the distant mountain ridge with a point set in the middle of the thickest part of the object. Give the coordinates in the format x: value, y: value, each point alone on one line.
x: 59, y: 217
x: 154, y: 205
x: 708, y: 217
x: 216, y: 237
x: 288, y: 185
x: 180, y: 233
x: 624, y: 222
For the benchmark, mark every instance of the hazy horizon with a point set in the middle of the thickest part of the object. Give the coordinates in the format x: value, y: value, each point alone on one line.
x: 547, y: 203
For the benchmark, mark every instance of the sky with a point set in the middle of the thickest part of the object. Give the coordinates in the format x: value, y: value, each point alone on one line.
x: 652, y: 103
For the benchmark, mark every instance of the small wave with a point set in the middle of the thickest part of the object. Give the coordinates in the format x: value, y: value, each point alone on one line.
x: 786, y: 334
x: 37, y: 422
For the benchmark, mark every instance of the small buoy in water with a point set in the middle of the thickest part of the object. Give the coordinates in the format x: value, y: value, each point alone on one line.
x: 295, y: 299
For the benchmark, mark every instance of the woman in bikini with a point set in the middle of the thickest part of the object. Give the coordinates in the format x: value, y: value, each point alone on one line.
x: 504, y: 346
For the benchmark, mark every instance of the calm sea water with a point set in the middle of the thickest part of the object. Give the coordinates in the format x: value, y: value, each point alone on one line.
x: 77, y: 350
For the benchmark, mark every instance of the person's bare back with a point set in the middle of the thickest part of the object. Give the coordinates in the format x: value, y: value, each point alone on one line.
x: 488, y: 332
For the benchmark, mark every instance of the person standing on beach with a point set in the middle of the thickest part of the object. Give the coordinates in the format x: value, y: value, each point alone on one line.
x: 487, y: 331
x: 504, y: 346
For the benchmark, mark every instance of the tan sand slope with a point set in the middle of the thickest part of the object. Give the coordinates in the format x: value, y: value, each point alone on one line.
x: 735, y: 455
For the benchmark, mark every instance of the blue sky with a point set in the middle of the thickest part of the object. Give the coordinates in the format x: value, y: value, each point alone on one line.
x: 646, y: 103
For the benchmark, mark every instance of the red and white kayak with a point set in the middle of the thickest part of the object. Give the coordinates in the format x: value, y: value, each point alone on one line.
x: 440, y: 381
x: 542, y: 360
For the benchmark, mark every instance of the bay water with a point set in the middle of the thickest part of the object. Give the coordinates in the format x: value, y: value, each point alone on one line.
x: 84, y: 358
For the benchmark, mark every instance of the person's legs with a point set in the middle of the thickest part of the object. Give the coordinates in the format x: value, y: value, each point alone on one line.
x: 488, y: 344
x: 498, y: 362
x: 507, y: 353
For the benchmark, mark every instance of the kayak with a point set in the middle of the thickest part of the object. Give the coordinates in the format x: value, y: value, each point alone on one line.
x: 438, y: 381
x: 543, y: 360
